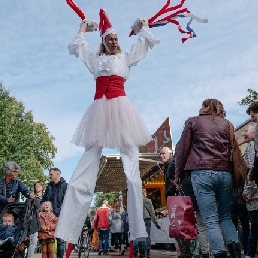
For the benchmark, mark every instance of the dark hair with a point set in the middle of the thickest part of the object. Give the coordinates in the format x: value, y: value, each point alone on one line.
x: 215, y: 107
x: 253, y: 107
x: 39, y: 182
x: 55, y: 169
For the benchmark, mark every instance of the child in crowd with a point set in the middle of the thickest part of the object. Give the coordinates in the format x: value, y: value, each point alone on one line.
x: 8, y: 231
x: 48, y: 222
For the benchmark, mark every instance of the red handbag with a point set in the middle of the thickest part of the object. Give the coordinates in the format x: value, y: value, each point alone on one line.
x: 182, y: 223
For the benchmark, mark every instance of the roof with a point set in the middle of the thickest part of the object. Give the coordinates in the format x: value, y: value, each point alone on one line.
x: 111, y: 176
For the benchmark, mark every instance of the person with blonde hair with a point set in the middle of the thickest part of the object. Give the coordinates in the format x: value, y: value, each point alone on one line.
x: 48, y: 223
x: 204, y: 151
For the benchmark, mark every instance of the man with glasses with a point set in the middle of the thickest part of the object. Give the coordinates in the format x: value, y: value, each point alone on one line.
x: 10, y: 187
x: 253, y: 112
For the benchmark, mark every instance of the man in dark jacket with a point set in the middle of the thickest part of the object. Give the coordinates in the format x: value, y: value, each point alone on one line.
x: 10, y: 187
x: 166, y: 156
x: 55, y: 192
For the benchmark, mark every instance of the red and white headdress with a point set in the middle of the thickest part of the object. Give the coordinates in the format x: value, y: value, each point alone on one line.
x: 105, y: 26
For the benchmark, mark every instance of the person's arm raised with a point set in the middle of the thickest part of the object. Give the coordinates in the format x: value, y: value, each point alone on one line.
x: 83, y: 27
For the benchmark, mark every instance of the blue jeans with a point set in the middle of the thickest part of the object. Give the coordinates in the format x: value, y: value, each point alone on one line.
x: 60, y: 248
x: 252, y: 240
x: 213, y: 191
x: 103, y: 237
x: 33, y: 244
x: 136, y: 246
x: 148, y: 240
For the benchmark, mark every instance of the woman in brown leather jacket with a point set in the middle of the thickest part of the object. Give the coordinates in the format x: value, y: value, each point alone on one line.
x: 204, y: 150
x: 48, y: 223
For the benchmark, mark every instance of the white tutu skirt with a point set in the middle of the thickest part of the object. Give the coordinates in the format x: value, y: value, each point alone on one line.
x: 111, y: 123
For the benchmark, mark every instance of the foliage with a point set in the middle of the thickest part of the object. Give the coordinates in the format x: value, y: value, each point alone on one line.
x: 249, y: 99
x: 24, y: 141
x: 98, y: 201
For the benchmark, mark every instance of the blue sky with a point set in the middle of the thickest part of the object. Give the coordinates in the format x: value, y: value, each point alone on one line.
x: 172, y: 81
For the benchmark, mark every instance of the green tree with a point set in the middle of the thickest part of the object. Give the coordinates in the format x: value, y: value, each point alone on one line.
x: 249, y: 99
x: 24, y: 141
x: 98, y: 201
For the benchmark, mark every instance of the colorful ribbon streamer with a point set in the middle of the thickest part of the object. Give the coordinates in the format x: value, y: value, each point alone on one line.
x: 79, y: 12
x: 177, y: 12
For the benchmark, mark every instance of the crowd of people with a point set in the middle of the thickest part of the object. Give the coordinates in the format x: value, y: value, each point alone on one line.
x: 200, y: 167
x: 47, y: 203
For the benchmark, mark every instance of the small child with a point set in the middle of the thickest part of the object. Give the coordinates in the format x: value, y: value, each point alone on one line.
x: 48, y: 222
x: 8, y: 231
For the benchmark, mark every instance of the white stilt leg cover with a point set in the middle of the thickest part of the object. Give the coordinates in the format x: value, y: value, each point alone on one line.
x: 130, y: 159
x: 78, y: 196
x: 81, y: 189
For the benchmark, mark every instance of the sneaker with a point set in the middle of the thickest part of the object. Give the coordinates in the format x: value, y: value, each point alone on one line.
x: 100, y: 251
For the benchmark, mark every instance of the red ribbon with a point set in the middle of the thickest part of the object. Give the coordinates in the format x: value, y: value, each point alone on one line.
x: 79, y: 12
x: 165, y: 9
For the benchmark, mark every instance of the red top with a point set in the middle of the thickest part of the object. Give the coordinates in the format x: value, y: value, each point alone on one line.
x: 110, y: 86
x: 101, y: 218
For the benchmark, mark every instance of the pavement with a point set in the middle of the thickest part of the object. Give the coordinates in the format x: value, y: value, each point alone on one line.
x: 154, y: 254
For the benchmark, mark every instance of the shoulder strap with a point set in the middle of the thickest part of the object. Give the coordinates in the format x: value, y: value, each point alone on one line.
x: 231, y: 134
x: 4, y: 188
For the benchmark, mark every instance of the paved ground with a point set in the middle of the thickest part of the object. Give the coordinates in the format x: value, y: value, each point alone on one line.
x: 154, y: 254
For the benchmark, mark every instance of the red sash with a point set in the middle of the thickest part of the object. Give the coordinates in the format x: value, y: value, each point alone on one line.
x: 110, y: 86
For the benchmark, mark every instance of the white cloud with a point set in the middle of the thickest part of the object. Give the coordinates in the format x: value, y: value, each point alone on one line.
x: 172, y: 81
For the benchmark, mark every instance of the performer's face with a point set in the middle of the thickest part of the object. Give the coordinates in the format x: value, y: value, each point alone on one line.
x: 112, y: 43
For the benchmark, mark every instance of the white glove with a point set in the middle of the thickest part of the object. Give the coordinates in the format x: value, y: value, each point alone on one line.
x: 91, y: 25
x: 137, y: 25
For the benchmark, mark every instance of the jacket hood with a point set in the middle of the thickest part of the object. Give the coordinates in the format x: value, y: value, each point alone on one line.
x: 62, y: 180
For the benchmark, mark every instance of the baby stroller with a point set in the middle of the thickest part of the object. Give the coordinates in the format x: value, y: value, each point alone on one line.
x: 26, y: 219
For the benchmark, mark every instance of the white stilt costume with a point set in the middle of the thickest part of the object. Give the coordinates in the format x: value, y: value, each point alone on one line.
x: 110, y: 121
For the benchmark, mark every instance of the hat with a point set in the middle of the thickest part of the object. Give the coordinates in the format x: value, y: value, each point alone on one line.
x: 105, y: 25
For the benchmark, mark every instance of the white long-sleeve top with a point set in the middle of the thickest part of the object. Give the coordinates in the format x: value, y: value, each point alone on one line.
x: 112, y: 122
x: 119, y: 64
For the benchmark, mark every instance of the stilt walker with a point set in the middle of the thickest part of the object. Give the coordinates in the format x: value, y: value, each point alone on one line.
x: 111, y: 121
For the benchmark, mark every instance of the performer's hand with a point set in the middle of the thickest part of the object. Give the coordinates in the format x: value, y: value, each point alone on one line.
x: 83, y: 27
x: 144, y: 22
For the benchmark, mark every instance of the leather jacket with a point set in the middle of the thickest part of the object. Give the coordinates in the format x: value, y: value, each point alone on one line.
x: 204, y: 145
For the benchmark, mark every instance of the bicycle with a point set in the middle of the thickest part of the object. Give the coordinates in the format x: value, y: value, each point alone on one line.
x: 84, y: 243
